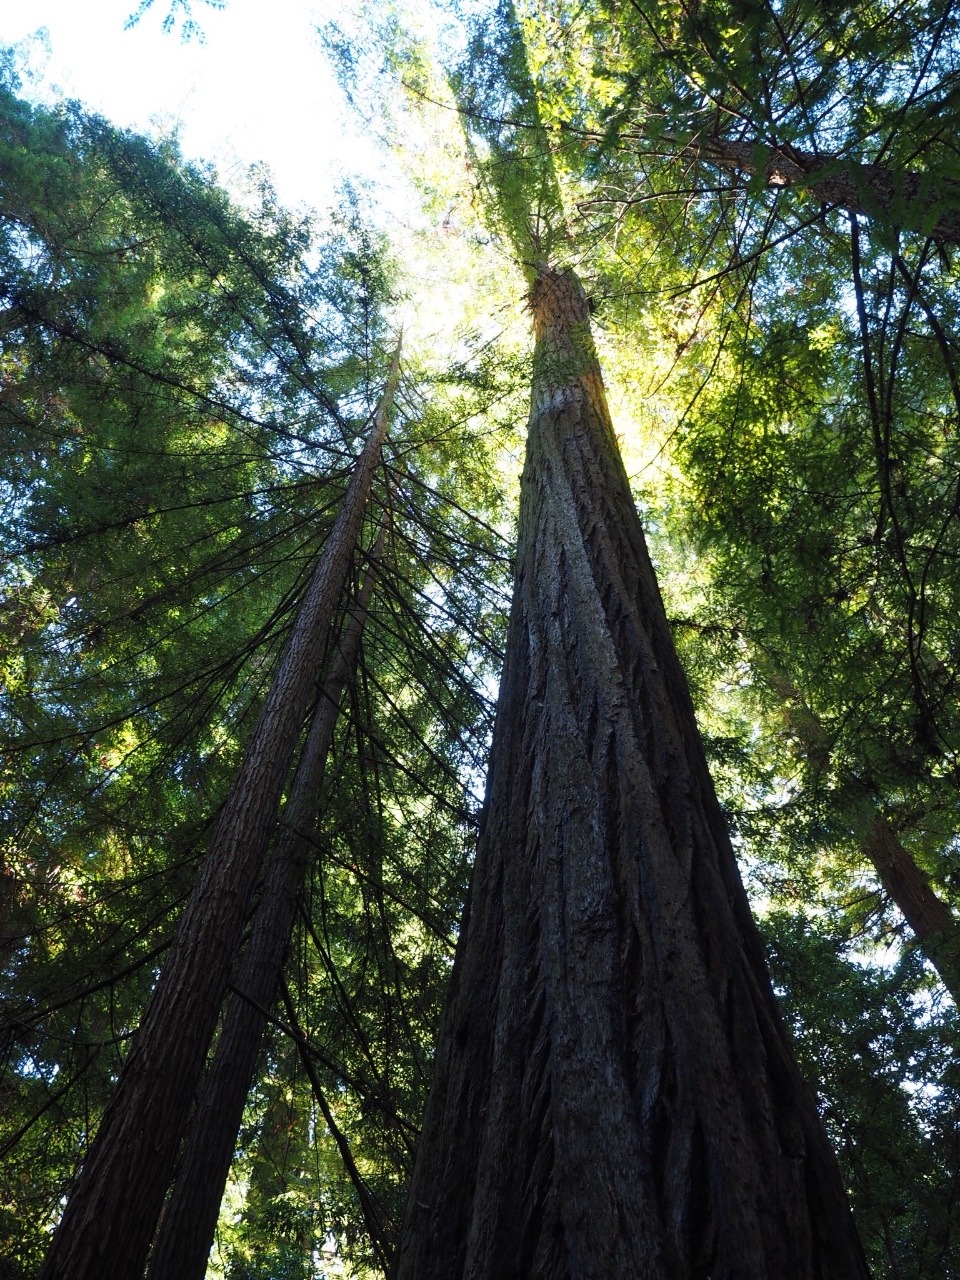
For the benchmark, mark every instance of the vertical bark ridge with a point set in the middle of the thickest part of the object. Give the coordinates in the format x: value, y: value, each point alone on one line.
x: 111, y: 1216
x: 614, y: 1093
x: 189, y: 1220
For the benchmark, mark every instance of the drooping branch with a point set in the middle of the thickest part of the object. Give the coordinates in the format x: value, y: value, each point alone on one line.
x: 379, y: 1228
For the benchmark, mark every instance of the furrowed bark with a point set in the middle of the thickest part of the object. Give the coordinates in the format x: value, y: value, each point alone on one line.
x: 614, y: 1093
x: 189, y: 1220
x: 111, y: 1216
x: 913, y: 201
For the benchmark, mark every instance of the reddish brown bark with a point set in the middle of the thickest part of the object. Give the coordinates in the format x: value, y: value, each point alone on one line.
x: 112, y: 1213
x: 189, y: 1220
x: 614, y: 1093
x: 914, y: 201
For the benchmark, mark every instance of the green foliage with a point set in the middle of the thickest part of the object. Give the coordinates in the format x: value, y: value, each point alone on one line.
x: 178, y: 10
x: 871, y: 1039
x: 824, y: 524
x: 182, y: 389
x: 504, y: 129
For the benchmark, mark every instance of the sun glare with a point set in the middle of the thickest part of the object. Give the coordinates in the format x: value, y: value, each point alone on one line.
x: 255, y: 90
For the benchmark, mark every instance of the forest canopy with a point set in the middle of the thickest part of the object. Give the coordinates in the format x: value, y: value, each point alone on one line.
x: 255, y: 597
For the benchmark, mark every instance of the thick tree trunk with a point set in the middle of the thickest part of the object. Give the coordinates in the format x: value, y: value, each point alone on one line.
x: 189, y: 1220
x: 111, y: 1216
x: 614, y: 1094
x: 910, y: 200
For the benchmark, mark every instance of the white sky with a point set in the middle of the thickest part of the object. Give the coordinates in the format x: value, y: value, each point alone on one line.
x: 258, y: 89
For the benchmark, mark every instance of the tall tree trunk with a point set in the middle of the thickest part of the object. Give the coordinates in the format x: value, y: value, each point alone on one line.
x: 110, y: 1218
x: 912, y: 200
x: 614, y: 1094
x: 189, y: 1220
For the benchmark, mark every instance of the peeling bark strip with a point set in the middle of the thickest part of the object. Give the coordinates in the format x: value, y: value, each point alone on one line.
x: 189, y: 1220
x: 614, y: 1095
x: 910, y: 200
x: 112, y: 1214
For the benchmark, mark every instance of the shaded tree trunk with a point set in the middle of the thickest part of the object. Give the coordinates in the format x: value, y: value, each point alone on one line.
x: 614, y: 1094
x: 110, y: 1218
x: 189, y: 1220
x: 914, y: 201
x: 936, y: 930
x: 933, y: 924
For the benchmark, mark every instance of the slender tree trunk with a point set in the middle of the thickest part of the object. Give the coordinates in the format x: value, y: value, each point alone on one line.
x: 111, y: 1216
x: 614, y: 1094
x: 189, y: 1220
x: 911, y: 200
x: 933, y: 924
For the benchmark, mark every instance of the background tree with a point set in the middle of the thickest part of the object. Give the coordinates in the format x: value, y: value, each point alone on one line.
x: 187, y: 1227
x: 146, y: 346
x: 167, y: 636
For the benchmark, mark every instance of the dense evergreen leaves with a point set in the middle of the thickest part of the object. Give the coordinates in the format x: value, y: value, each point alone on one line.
x: 182, y: 393
x: 761, y: 200
x: 871, y: 1041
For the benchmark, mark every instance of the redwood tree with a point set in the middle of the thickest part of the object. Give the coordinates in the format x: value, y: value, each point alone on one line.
x: 111, y: 1216
x: 813, y: 308
x: 189, y: 1220
x: 614, y: 1091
